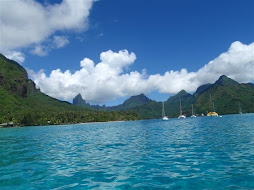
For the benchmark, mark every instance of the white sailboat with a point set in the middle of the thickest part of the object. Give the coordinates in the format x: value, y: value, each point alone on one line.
x: 181, y: 113
x: 164, y: 117
x: 192, y: 111
x: 240, y: 109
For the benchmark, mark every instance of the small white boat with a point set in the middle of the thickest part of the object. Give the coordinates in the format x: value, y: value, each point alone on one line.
x: 164, y: 117
x: 181, y: 116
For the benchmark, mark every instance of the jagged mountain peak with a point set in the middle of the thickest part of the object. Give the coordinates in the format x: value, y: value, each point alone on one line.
x: 180, y: 94
x: 79, y: 96
x: 224, y: 80
x: 141, y: 98
x: 78, y: 100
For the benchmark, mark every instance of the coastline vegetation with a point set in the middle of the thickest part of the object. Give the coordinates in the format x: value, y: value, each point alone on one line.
x: 69, y: 117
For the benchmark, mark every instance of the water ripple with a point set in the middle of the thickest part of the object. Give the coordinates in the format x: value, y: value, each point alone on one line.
x: 195, y: 153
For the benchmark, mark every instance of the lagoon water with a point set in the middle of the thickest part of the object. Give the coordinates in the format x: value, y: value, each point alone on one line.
x: 192, y: 153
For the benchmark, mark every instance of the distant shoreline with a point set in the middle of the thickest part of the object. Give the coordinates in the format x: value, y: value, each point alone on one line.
x: 85, y: 123
x: 99, y: 122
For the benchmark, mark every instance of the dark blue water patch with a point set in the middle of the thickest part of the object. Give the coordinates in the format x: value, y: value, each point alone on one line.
x: 192, y: 153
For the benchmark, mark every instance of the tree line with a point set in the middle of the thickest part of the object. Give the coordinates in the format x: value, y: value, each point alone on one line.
x: 66, y: 117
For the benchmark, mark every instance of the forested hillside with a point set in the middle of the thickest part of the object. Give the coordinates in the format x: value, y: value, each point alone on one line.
x: 22, y: 103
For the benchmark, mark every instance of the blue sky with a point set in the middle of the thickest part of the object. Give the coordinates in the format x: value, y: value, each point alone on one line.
x: 164, y: 35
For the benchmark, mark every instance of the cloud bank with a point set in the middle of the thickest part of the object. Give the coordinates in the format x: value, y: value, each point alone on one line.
x: 108, y: 80
x: 26, y: 23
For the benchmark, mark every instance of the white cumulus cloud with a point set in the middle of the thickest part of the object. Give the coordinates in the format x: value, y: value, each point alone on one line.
x: 237, y: 63
x: 108, y: 80
x: 26, y: 23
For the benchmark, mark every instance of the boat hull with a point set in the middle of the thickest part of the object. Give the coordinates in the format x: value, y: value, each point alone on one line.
x: 212, y: 114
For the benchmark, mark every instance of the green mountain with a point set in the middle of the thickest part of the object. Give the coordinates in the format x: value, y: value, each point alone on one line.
x: 131, y: 103
x: 135, y: 101
x: 225, y: 81
x: 226, y: 95
x: 22, y: 103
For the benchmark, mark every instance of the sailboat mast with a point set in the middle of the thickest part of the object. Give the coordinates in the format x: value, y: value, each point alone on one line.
x: 180, y: 107
x: 240, y: 109
x: 212, y: 113
x: 192, y: 109
x: 212, y: 103
x: 163, y: 111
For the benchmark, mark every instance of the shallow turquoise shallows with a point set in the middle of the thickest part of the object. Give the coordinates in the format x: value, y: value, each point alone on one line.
x: 192, y: 153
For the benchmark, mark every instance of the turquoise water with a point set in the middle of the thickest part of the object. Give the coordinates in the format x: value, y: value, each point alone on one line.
x: 192, y: 153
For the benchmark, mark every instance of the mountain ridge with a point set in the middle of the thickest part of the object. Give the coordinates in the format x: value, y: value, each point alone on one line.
x: 226, y: 93
x: 129, y: 103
